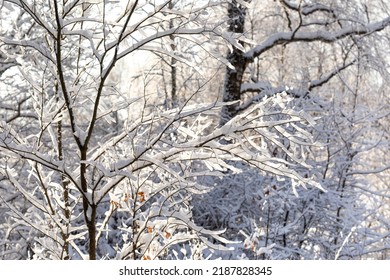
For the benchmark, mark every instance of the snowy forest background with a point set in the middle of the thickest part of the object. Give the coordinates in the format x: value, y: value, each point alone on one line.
x: 210, y: 129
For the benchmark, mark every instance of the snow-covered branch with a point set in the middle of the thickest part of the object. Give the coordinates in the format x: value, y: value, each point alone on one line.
x: 265, y: 89
x: 311, y: 36
x: 308, y: 8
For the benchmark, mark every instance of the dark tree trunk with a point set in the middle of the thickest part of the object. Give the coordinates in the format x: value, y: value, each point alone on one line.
x: 174, y: 96
x: 88, y: 209
x: 233, y: 77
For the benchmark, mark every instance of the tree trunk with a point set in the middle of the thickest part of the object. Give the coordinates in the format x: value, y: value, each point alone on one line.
x: 233, y: 77
x: 88, y: 208
x: 174, y: 98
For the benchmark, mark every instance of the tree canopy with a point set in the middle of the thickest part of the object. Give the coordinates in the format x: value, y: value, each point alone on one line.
x: 194, y: 129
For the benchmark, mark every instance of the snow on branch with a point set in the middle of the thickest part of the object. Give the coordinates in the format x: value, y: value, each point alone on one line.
x: 31, y: 10
x: 6, y: 62
x: 246, y: 138
x: 159, y: 35
x: 28, y: 44
x: 311, y: 36
x: 325, y: 78
x: 265, y: 89
x: 307, y: 9
x: 11, y: 142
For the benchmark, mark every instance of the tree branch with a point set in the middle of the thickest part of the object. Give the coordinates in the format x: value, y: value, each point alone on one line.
x: 312, y: 36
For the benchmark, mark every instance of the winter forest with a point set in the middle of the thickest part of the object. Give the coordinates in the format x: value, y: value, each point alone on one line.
x: 209, y: 129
